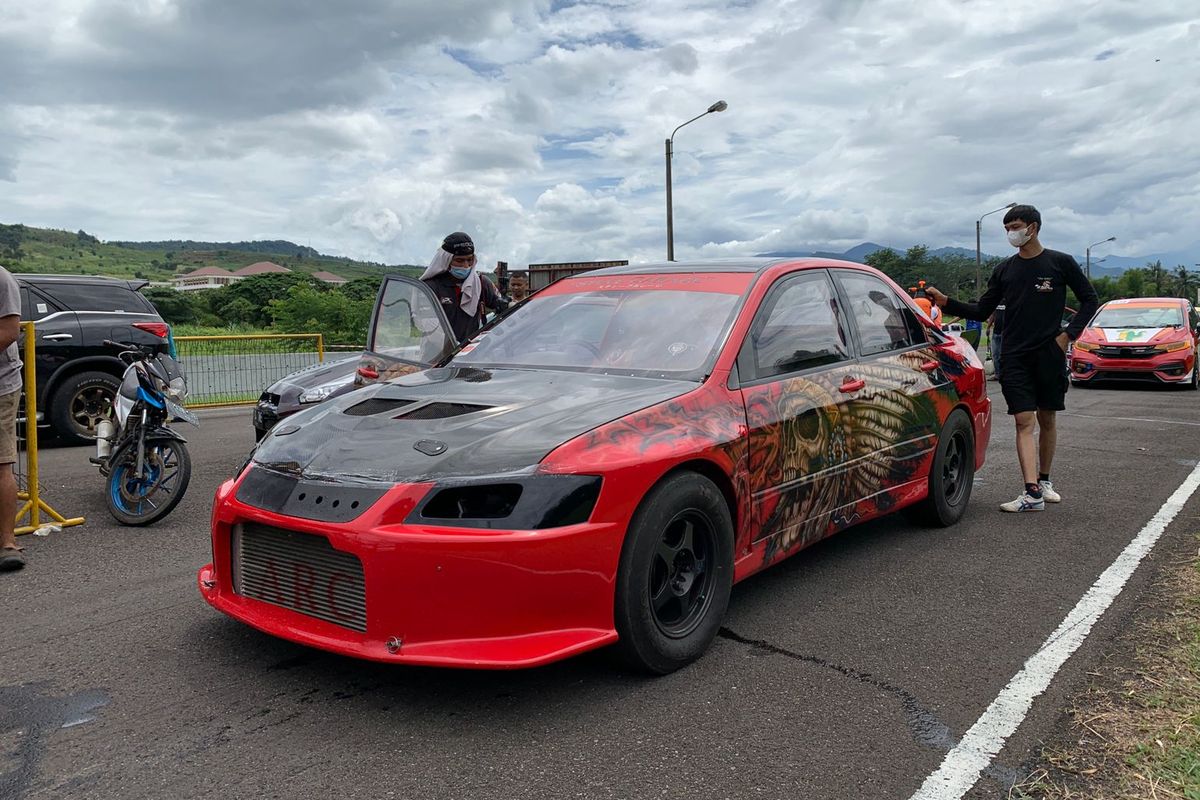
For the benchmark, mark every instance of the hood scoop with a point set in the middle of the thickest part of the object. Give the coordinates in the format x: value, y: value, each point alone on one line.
x: 376, y: 405
x: 441, y: 411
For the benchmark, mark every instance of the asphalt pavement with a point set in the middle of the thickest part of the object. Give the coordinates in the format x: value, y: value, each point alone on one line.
x: 849, y: 671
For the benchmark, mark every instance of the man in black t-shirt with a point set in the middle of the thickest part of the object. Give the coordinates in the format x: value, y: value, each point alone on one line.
x: 1032, y: 286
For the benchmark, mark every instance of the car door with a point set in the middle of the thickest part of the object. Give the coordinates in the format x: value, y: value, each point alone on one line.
x: 895, y: 419
x: 797, y: 375
x: 408, y: 332
x: 57, y: 336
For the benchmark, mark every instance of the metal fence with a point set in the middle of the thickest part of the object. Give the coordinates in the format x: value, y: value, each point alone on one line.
x: 231, y: 370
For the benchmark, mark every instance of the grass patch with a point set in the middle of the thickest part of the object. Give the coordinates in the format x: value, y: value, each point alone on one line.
x: 1135, y: 731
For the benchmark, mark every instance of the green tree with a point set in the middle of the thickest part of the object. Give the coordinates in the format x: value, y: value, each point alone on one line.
x: 308, y: 309
x: 249, y: 300
x: 1186, y: 282
x: 177, y: 308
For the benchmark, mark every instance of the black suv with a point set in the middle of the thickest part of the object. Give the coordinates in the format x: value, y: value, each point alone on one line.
x: 77, y: 376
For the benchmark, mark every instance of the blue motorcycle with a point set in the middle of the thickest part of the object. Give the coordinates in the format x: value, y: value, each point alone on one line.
x: 145, y: 461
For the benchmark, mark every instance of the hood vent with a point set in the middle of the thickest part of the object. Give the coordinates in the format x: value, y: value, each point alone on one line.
x: 441, y: 411
x: 376, y: 405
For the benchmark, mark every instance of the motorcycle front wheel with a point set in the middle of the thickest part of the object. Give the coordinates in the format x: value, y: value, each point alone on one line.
x: 141, y: 500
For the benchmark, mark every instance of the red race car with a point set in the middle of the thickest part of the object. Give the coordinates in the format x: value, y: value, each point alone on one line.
x: 1142, y: 339
x: 600, y: 466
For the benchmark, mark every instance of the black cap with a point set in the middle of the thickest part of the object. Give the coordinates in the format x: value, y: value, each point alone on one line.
x: 458, y: 244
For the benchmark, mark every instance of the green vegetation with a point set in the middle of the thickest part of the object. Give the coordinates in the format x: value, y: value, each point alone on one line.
x: 955, y: 275
x: 292, y: 302
x: 25, y: 249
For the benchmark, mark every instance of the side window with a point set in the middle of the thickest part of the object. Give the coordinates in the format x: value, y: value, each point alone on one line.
x: 35, y: 306
x: 1193, y: 317
x: 884, y: 322
x: 799, y: 327
x: 100, y: 297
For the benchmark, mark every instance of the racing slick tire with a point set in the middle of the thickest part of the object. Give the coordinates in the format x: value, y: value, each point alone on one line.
x: 675, y: 574
x: 951, y: 474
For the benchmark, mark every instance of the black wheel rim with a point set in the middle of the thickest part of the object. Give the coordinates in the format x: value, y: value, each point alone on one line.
x: 682, y: 574
x: 955, y: 468
x: 90, y: 405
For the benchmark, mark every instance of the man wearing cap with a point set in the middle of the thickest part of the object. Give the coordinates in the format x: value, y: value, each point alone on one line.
x: 463, y: 292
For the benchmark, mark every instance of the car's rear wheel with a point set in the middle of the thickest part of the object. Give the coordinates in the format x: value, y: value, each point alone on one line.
x: 952, y: 473
x: 80, y: 403
x: 676, y: 574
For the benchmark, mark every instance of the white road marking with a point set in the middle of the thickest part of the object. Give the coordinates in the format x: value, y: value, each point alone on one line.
x: 963, y: 765
x: 1130, y: 419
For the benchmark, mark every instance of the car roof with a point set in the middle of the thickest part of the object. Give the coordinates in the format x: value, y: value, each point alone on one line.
x: 753, y: 265
x: 1148, y: 302
x: 35, y: 277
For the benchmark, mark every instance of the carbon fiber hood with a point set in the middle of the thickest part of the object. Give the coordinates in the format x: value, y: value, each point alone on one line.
x: 453, y: 422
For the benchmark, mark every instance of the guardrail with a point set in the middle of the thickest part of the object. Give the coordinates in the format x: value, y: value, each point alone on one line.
x: 235, y: 369
x: 29, y: 488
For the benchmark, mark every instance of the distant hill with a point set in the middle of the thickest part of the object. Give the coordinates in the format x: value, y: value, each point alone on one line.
x: 273, y: 247
x: 27, y: 249
x: 1110, y: 265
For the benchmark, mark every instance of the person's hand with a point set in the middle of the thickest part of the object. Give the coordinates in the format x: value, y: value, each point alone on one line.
x: 1062, y: 340
x: 937, y: 297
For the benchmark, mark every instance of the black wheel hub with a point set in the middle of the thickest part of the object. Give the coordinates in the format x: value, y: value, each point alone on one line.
x: 955, y: 468
x: 681, y: 574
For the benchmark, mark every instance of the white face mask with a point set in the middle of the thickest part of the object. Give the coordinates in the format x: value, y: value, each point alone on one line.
x: 1019, y: 238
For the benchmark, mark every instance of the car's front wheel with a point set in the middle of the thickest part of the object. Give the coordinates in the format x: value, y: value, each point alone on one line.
x: 676, y: 574
x: 80, y: 403
x: 952, y: 473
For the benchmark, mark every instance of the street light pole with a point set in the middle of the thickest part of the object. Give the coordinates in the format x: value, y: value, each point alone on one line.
x: 1088, y: 269
x: 720, y: 105
x: 979, y: 252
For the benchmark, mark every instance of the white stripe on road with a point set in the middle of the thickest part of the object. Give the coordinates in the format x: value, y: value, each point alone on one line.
x: 1130, y: 419
x: 964, y: 764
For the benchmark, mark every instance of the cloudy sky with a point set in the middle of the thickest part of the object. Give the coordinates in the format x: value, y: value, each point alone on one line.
x: 370, y: 128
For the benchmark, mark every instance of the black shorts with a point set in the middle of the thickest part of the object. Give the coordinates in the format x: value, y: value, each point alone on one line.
x: 1035, y: 379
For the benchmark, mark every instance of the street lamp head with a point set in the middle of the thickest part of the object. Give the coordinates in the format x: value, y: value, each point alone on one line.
x: 1011, y: 205
x: 1111, y: 239
x: 720, y: 105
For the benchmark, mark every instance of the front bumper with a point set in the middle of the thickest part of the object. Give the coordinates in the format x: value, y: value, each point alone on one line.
x: 440, y: 596
x: 1163, y: 368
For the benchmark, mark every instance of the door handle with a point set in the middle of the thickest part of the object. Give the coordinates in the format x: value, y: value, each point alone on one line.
x: 929, y: 366
x: 851, y: 385
x: 54, y: 337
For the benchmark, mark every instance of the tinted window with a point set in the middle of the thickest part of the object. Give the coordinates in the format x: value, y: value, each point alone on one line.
x: 883, y: 320
x: 798, y: 328
x: 99, y: 297
x: 35, y: 306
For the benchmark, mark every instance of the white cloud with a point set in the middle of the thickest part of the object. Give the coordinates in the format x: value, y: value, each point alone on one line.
x: 371, y: 128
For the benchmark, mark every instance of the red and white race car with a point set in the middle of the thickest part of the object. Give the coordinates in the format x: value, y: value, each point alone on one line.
x: 1141, y: 339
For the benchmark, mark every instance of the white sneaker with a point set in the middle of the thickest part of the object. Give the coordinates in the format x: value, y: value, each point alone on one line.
x: 1025, y: 502
x: 1048, y: 493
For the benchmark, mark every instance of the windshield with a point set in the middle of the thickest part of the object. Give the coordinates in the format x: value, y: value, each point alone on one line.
x: 1138, y: 317
x: 648, y: 325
